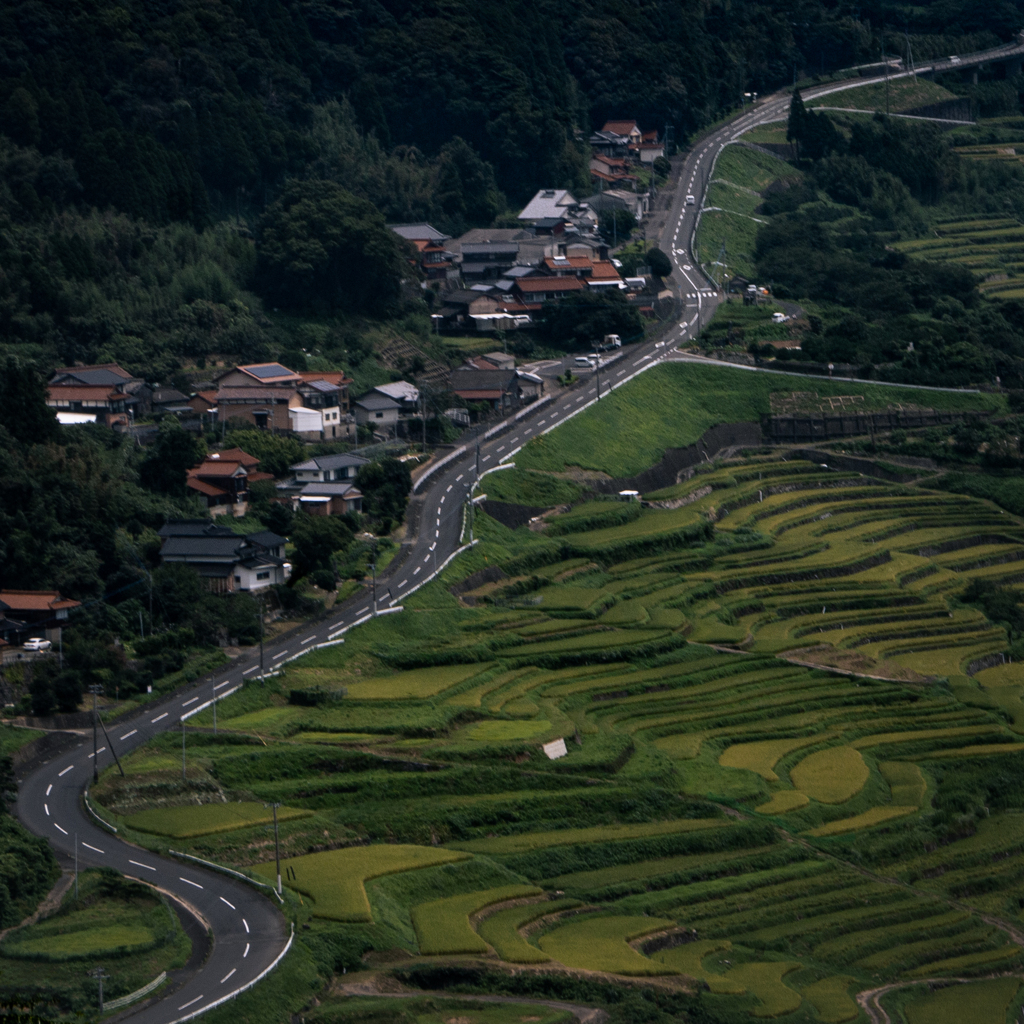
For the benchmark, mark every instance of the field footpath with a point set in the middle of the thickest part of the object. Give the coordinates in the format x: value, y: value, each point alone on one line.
x: 369, y: 987
x: 868, y: 1000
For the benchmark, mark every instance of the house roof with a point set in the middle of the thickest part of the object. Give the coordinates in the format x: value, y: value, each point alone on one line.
x: 489, y: 249
x: 400, y: 391
x: 217, y: 468
x: 242, y: 394
x: 548, y: 202
x: 235, y: 455
x: 565, y: 262
x: 419, y: 232
x: 97, y: 373
x: 463, y: 297
x: 207, y: 396
x: 168, y: 396
x: 269, y: 373
x: 376, y: 402
x: 322, y: 385
x: 620, y: 127
x: 464, y: 379
x: 85, y: 393
x: 194, y: 528
x: 195, y: 484
x: 330, y: 462
x: 35, y: 600
x: 331, y: 376
x: 267, y: 539
x: 549, y: 284
x: 610, y: 161
x: 605, y: 270
x: 331, y: 490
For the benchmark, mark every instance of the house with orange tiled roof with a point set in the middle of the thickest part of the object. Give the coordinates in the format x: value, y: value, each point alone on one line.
x: 223, y: 479
x: 33, y: 612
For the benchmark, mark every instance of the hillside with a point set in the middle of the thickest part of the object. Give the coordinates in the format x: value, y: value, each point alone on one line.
x: 142, y: 143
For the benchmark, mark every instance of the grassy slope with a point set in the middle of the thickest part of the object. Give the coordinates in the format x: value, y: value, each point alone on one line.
x: 904, y: 94
x: 741, y: 175
x: 672, y: 405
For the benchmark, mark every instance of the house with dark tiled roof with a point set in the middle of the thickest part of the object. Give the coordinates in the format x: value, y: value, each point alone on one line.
x: 498, y: 388
x: 105, y: 391
x: 226, y: 561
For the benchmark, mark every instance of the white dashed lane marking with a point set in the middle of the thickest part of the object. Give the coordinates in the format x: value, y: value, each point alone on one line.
x: 95, y: 849
x: 66, y: 770
x: 246, y: 953
x: 188, y: 881
x: 128, y: 735
x: 185, y: 1006
x: 160, y: 718
x: 191, y: 700
x: 64, y: 830
x: 46, y: 807
x: 228, y: 975
x: 139, y: 864
x: 49, y: 789
x: 231, y: 905
x: 276, y: 656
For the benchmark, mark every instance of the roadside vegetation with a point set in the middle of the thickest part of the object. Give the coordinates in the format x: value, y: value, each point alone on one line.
x: 126, y: 927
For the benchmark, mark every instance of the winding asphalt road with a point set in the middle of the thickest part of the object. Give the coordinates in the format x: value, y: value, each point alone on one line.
x: 249, y: 932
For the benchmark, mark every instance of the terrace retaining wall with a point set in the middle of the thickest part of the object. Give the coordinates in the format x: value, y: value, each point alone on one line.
x: 814, y: 427
x: 676, y: 461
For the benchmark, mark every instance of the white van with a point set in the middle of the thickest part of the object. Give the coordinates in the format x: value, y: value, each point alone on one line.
x: 585, y: 362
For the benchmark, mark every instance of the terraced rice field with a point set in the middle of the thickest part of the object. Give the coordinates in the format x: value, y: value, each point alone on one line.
x: 991, y: 247
x: 779, y: 721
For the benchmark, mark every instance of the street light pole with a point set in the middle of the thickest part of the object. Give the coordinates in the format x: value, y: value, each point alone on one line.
x: 183, y: 779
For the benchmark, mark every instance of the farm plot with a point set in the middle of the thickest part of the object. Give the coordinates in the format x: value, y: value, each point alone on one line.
x: 602, y: 944
x: 206, y: 819
x: 334, y: 880
x: 442, y: 926
x: 835, y: 711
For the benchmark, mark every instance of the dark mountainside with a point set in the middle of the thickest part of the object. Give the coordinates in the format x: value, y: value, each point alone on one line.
x: 143, y: 141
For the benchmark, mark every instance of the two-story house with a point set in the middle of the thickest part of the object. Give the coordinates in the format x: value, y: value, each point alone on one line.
x: 104, y: 391
x: 325, y: 484
x: 223, y: 479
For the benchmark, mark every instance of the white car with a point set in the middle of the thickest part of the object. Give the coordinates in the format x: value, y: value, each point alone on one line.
x: 954, y: 60
x: 36, y: 643
x: 690, y: 200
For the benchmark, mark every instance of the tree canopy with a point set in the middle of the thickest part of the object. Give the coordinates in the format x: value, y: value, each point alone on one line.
x: 320, y: 245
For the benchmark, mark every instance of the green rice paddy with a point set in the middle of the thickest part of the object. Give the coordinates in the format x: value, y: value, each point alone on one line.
x: 775, y: 816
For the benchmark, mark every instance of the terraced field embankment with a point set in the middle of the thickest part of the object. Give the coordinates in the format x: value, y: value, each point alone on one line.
x: 781, y: 779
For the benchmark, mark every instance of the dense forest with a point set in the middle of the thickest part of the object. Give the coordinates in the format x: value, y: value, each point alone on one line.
x: 145, y: 145
x: 864, y: 184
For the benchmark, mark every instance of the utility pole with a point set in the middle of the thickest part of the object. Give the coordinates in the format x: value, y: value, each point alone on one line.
x: 215, y: 712
x: 259, y: 612
x: 373, y: 570
x: 277, y: 847
x: 597, y: 374
x: 183, y: 779
x: 76, y: 867
x: 99, y: 974
x: 95, y: 689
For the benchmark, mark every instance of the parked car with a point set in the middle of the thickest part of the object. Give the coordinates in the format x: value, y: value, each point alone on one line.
x: 36, y: 643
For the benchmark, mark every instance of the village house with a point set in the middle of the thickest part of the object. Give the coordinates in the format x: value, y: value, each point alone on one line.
x: 377, y: 411
x: 104, y: 392
x: 226, y: 561
x: 435, y: 261
x: 223, y: 479
x: 25, y: 613
x: 498, y: 388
